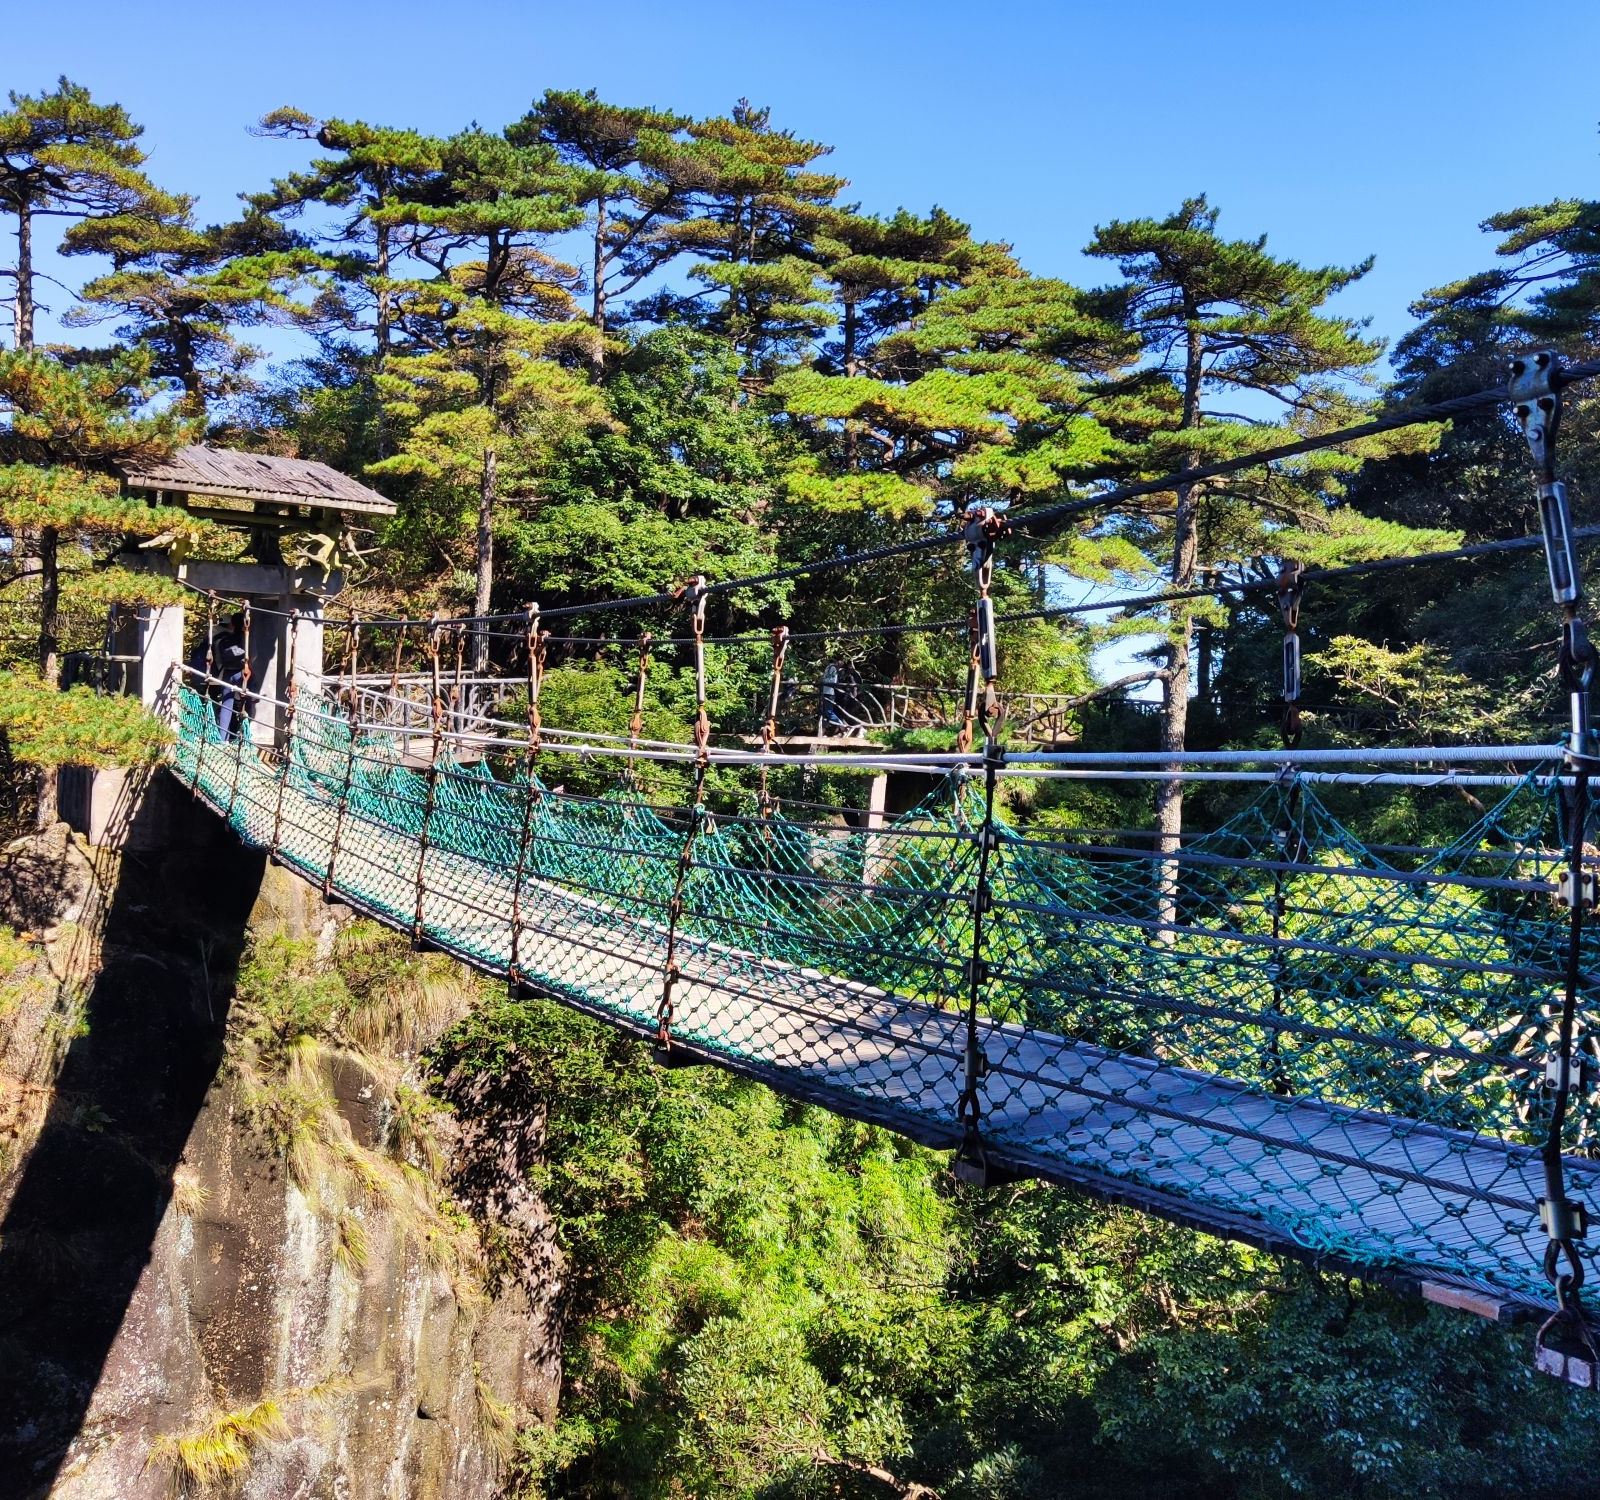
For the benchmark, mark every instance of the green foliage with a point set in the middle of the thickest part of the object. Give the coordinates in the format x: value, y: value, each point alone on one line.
x: 47, y: 727
x: 23, y: 974
x: 766, y: 1300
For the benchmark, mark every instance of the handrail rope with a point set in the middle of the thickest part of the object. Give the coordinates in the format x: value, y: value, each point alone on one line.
x: 537, y: 640
x: 1079, y: 767
x: 1241, y: 864
x: 291, y: 693
x: 694, y: 595
x: 1371, y: 755
x: 352, y: 645
x: 1025, y: 763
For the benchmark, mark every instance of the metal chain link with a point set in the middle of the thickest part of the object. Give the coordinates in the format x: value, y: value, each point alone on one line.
x: 769, y: 728
x: 431, y: 795
x: 694, y: 594
x: 537, y: 643
x: 983, y: 530
x: 1565, y: 1345
x: 352, y: 711
x: 291, y: 694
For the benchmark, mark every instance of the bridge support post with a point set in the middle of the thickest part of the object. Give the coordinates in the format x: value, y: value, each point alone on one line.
x: 154, y: 634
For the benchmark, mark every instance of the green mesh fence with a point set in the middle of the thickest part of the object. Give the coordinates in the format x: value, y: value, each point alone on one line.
x: 1273, y: 1033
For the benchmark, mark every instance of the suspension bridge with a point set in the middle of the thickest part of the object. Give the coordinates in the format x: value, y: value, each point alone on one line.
x: 1372, y: 1058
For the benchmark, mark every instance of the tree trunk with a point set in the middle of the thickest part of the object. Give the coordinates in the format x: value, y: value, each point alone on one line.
x: 1175, y: 695
x: 480, y: 602
x: 848, y: 341
x: 194, y: 395
x: 24, y: 307
x: 381, y: 330
x: 49, y: 652
x: 598, y: 275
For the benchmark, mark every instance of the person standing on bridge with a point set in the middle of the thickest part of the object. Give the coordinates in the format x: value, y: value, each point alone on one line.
x: 832, y: 719
x: 224, y: 656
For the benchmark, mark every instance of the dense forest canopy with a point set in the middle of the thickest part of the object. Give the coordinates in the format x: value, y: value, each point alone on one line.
x: 603, y: 348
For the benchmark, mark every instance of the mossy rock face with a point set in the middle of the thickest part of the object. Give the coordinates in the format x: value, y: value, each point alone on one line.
x: 178, y: 1280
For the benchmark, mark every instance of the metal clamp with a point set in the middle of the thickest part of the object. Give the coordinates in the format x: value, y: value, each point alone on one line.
x: 1587, y: 892
x: 985, y: 526
x: 1291, y: 589
x: 1563, y: 1219
x: 1534, y: 389
x: 1570, y: 1074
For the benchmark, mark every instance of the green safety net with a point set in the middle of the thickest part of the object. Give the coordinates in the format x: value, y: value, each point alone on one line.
x: 1273, y: 1032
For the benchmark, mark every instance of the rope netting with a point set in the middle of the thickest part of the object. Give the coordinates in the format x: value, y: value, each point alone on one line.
x: 1270, y: 1031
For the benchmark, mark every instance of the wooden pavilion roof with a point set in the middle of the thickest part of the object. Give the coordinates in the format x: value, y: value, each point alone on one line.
x: 227, y: 473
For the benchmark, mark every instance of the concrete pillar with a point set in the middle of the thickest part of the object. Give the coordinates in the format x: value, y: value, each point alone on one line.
x: 878, y: 853
x: 303, y: 663
x: 158, y: 633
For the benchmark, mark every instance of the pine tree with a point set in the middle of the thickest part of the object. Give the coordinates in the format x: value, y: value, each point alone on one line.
x: 185, y: 292
x: 67, y: 427
x: 640, y: 176
x: 494, y: 335
x: 753, y: 226
x: 954, y: 376
x: 1214, y: 318
x: 63, y: 156
x: 370, y: 181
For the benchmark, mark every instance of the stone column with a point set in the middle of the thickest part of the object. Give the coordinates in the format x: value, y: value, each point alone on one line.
x: 159, y: 647
x: 878, y: 853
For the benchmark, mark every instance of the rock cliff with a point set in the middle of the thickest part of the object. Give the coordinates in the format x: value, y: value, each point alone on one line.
x: 237, y: 1257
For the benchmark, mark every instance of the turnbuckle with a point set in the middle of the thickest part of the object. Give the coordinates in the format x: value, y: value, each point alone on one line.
x: 1578, y: 662
x: 1291, y: 667
x: 1534, y: 388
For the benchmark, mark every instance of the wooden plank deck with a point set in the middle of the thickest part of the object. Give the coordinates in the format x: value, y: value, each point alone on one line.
x: 1371, y: 1191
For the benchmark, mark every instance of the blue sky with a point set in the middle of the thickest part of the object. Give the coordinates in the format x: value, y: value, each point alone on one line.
x: 1340, y: 130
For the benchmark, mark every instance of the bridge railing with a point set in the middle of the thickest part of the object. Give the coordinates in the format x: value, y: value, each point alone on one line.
x: 1316, y: 1040
x: 849, y: 707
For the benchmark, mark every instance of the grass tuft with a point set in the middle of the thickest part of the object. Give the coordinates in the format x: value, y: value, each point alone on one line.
x: 351, y: 1249
x: 496, y: 1419
x: 222, y: 1449
x: 189, y: 1194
